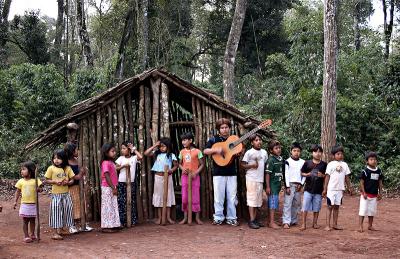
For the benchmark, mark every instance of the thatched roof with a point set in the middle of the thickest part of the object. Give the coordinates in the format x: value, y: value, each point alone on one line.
x: 56, y: 131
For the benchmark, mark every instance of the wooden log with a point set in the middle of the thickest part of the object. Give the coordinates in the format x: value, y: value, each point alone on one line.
x: 155, y: 87
x: 128, y: 198
x: 164, y: 101
x: 110, y: 123
x: 84, y: 161
x: 147, y: 160
x: 200, y: 123
x: 94, y: 170
x: 141, y: 150
x: 121, y: 122
x: 37, y: 203
x: 129, y: 110
x: 115, y: 127
x: 196, y: 125
x: 165, y: 197
x: 190, y: 198
x: 99, y: 133
x: 104, y: 130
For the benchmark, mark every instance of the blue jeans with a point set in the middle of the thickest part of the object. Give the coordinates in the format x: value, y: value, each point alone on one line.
x: 312, y: 202
x: 222, y: 185
x: 291, y: 205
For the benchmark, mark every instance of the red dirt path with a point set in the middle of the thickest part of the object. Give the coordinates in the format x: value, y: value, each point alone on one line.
x: 149, y: 240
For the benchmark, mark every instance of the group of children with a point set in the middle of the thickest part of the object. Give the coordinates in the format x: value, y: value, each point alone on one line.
x: 315, y: 177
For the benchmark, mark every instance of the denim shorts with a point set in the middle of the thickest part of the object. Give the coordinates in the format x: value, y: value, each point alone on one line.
x: 312, y: 202
x: 273, y: 201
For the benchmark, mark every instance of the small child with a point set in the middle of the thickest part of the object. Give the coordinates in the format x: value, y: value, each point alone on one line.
x: 110, y: 221
x: 314, y: 172
x: 127, y: 161
x: 191, y: 162
x: 162, y: 152
x: 273, y: 178
x: 371, y: 183
x: 337, y: 173
x: 60, y: 176
x: 254, y: 162
x: 26, y: 187
x: 293, y: 183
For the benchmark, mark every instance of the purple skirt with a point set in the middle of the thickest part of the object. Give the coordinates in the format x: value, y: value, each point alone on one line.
x: 27, y: 210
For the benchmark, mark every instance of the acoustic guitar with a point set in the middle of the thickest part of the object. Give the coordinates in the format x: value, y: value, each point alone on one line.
x: 233, y: 145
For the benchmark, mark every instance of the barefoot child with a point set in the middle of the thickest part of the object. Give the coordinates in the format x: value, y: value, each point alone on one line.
x: 273, y: 178
x: 71, y: 151
x: 27, y: 210
x: 371, y: 183
x: 254, y: 162
x: 337, y: 173
x: 191, y: 162
x: 109, y: 204
x: 162, y: 152
x: 293, y: 183
x: 314, y: 172
x: 60, y: 176
x: 127, y: 161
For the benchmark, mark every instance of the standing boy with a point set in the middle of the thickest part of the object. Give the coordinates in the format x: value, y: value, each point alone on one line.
x: 254, y: 162
x: 293, y: 183
x: 314, y: 172
x: 371, y: 182
x: 337, y: 173
x: 273, y: 178
x: 224, y: 178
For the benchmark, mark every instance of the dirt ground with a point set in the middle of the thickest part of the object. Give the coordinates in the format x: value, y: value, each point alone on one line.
x: 149, y: 240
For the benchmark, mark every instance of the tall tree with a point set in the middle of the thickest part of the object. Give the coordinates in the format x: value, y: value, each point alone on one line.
x: 388, y: 26
x: 356, y: 24
x: 83, y: 33
x: 231, y: 50
x: 145, y: 34
x: 328, y: 116
x: 59, y: 28
x: 4, y: 12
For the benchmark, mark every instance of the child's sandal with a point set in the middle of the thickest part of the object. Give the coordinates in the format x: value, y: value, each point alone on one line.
x: 33, y: 237
x: 27, y: 240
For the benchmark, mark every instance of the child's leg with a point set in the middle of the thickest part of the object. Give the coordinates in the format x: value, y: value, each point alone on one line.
x: 361, y: 222
x: 169, y: 216
x: 252, y: 213
x: 198, y: 221
x: 25, y: 227
x: 328, y: 218
x: 303, y: 225
x: 287, y: 207
x: 158, y: 221
x: 370, y: 221
x: 32, y: 224
x: 315, y: 220
x: 272, y: 223
x: 335, y: 217
x: 184, y: 218
x: 121, y: 198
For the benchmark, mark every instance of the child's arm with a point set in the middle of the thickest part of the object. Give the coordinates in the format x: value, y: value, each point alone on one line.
x: 247, y: 166
x: 17, y: 194
x: 201, y: 167
x: 50, y: 181
x: 173, y: 169
x: 138, y: 155
x: 327, y: 177
x: 380, y: 189
x: 268, y: 189
x: 109, y: 182
x: 184, y: 171
x: 362, y: 189
x: 149, y: 151
x: 306, y: 174
x: 133, y: 150
x: 348, y: 184
x: 82, y: 173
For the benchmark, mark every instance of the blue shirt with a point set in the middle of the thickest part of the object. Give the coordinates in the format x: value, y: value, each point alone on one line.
x: 161, y: 161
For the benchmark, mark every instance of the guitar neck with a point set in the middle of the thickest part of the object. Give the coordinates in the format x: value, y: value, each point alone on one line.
x: 245, y: 136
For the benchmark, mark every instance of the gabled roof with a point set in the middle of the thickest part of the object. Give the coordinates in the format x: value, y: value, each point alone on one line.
x: 57, y: 130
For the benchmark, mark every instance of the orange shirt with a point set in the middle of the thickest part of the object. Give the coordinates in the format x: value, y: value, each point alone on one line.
x: 190, y: 158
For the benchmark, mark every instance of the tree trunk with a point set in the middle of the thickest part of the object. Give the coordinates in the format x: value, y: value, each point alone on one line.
x: 83, y: 34
x: 387, y: 27
x: 126, y: 35
x: 231, y: 50
x: 328, y: 117
x: 356, y: 24
x: 59, y: 28
x: 4, y: 12
x: 145, y: 35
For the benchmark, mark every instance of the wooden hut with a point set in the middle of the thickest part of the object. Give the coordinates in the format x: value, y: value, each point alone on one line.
x: 142, y: 109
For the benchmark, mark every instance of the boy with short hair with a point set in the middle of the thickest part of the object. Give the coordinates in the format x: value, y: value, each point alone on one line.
x: 314, y: 172
x: 337, y: 174
x: 293, y: 183
x: 273, y: 178
x: 254, y: 161
x: 371, y: 183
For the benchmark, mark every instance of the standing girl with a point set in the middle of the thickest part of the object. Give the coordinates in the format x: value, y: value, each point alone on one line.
x: 191, y: 162
x: 127, y: 161
x: 71, y: 151
x: 26, y: 187
x: 109, y: 180
x: 163, y: 156
x: 60, y: 176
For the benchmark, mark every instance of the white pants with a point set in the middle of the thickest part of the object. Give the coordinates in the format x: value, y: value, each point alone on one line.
x: 368, y: 206
x: 291, y: 207
x: 222, y: 185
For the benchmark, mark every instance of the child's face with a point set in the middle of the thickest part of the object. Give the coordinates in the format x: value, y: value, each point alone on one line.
x: 111, y: 153
x: 224, y: 130
x: 296, y: 152
x: 372, y: 162
x: 125, y: 150
x: 76, y: 152
x: 57, y: 161
x: 256, y: 143
x: 317, y: 155
x: 338, y: 156
x: 186, y: 143
x: 163, y: 148
x: 277, y: 150
x: 24, y: 172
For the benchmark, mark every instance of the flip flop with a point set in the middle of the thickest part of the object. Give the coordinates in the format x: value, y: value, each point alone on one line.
x: 27, y: 240
x: 33, y: 237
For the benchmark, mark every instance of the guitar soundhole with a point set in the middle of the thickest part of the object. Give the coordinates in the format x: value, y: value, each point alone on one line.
x: 231, y: 146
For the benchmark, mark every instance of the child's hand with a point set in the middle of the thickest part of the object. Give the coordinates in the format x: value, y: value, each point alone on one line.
x: 255, y: 165
x: 324, y: 193
x: 170, y: 172
x: 218, y: 150
x: 298, y: 188
x: 115, y: 192
x: 365, y: 195
x: 84, y: 170
x: 320, y: 174
x: 288, y: 190
x: 379, y: 197
x: 15, y: 205
x: 186, y: 171
x: 60, y: 183
x: 268, y: 191
x: 158, y: 143
x: 127, y: 166
x: 351, y: 191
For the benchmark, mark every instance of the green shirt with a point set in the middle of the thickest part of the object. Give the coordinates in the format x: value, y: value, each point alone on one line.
x: 274, y: 168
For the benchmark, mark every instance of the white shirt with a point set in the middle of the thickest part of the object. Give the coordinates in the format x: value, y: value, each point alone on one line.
x: 337, y: 170
x: 250, y: 157
x: 122, y: 160
x: 293, y: 171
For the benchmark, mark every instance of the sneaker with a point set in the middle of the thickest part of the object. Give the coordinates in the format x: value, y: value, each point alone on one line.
x: 217, y: 222
x: 232, y: 222
x: 261, y: 225
x: 87, y: 228
x: 73, y: 230
x: 253, y: 225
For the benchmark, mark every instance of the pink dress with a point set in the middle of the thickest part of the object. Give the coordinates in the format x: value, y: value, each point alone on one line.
x: 109, y: 202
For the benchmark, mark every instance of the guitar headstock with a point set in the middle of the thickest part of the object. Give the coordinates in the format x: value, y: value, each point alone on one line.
x: 265, y: 124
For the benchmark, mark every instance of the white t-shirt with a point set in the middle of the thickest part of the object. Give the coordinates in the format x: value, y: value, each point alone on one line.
x: 293, y: 171
x: 337, y: 170
x: 256, y: 175
x: 122, y: 160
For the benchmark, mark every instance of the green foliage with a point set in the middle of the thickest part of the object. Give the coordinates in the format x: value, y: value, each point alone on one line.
x: 87, y: 83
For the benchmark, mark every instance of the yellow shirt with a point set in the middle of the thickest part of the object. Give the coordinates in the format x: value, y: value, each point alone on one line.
x: 59, y: 174
x: 27, y: 188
